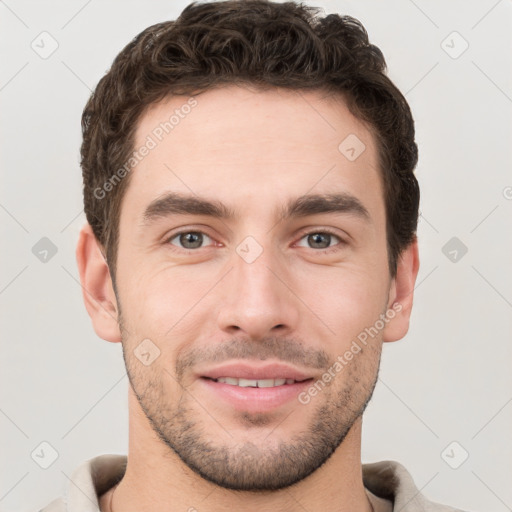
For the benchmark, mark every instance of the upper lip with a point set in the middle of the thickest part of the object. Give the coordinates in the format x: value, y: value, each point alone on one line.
x: 256, y: 372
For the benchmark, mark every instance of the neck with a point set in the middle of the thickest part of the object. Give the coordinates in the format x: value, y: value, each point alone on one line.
x: 156, y: 479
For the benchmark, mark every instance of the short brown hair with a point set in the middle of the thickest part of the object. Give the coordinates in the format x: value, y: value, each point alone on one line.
x: 259, y: 43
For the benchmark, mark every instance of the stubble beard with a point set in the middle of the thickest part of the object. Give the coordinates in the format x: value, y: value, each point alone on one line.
x: 185, y: 427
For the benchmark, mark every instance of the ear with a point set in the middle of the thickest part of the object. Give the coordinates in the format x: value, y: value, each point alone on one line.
x: 401, y: 294
x: 97, y: 289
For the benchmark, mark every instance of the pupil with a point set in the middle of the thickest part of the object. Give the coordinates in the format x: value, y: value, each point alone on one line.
x: 187, y: 240
x: 317, y: 238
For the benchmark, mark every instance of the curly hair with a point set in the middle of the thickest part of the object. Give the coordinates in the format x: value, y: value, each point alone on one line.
x: 259, y: 43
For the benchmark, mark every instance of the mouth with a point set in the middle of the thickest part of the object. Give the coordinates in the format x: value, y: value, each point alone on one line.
x: 246, y: 374
x: 254, y: 387
x: 256, y: 383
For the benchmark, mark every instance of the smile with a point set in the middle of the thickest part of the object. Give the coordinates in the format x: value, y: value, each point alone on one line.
x: 253, y: 383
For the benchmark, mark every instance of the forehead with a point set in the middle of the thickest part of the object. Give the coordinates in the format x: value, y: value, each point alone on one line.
x: 241, y: 145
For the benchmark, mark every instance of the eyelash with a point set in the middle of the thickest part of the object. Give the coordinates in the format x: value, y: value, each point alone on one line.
x: 322, y: 231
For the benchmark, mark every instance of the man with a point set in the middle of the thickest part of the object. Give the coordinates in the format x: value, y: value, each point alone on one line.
x: 251, y: 242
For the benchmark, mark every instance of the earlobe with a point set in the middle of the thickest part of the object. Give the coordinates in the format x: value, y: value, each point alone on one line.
x: 97, y: 289
x: 401, y: 294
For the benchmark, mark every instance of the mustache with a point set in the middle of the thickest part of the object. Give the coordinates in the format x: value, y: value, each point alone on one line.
x: 285, y: 350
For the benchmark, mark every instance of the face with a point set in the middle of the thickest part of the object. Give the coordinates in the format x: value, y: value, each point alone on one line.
x: 252, y: 256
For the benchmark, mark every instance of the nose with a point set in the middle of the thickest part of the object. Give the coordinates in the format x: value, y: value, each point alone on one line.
x: 258, y: 298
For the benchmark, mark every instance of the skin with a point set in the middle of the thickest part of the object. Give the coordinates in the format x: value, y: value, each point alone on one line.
x: 296, y: 304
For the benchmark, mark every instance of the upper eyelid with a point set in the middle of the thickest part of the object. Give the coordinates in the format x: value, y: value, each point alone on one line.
x: 330, y: 231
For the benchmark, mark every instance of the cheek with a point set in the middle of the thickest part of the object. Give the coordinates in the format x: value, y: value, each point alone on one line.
x: 161, y: 301
x: 345, y: 299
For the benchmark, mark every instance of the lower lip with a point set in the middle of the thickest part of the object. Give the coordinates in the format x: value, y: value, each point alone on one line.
x: 255, y: 399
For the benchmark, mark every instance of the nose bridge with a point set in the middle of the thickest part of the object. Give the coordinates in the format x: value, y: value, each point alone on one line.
x: 253, y: 272
x: 257, y: 300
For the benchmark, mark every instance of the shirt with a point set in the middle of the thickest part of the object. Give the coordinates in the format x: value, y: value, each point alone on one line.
x: 387, y: 480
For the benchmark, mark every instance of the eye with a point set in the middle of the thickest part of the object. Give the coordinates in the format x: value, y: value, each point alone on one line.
x: 322, y: 240
x: 189, y: 240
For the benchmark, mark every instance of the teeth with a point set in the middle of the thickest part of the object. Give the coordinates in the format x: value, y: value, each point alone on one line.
x: 253, y: 383
x: 266, y: 383
x: 246, y: 383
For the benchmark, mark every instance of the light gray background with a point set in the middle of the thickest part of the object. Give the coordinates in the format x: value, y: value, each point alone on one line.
x: 448, y: 380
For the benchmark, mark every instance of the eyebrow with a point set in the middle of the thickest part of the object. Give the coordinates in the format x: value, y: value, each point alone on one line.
x: 303, y: 206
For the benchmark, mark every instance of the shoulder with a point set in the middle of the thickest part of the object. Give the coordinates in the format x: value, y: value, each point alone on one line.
x: 390, y: 480
x: 57, y: 505
x: 88, y: 482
